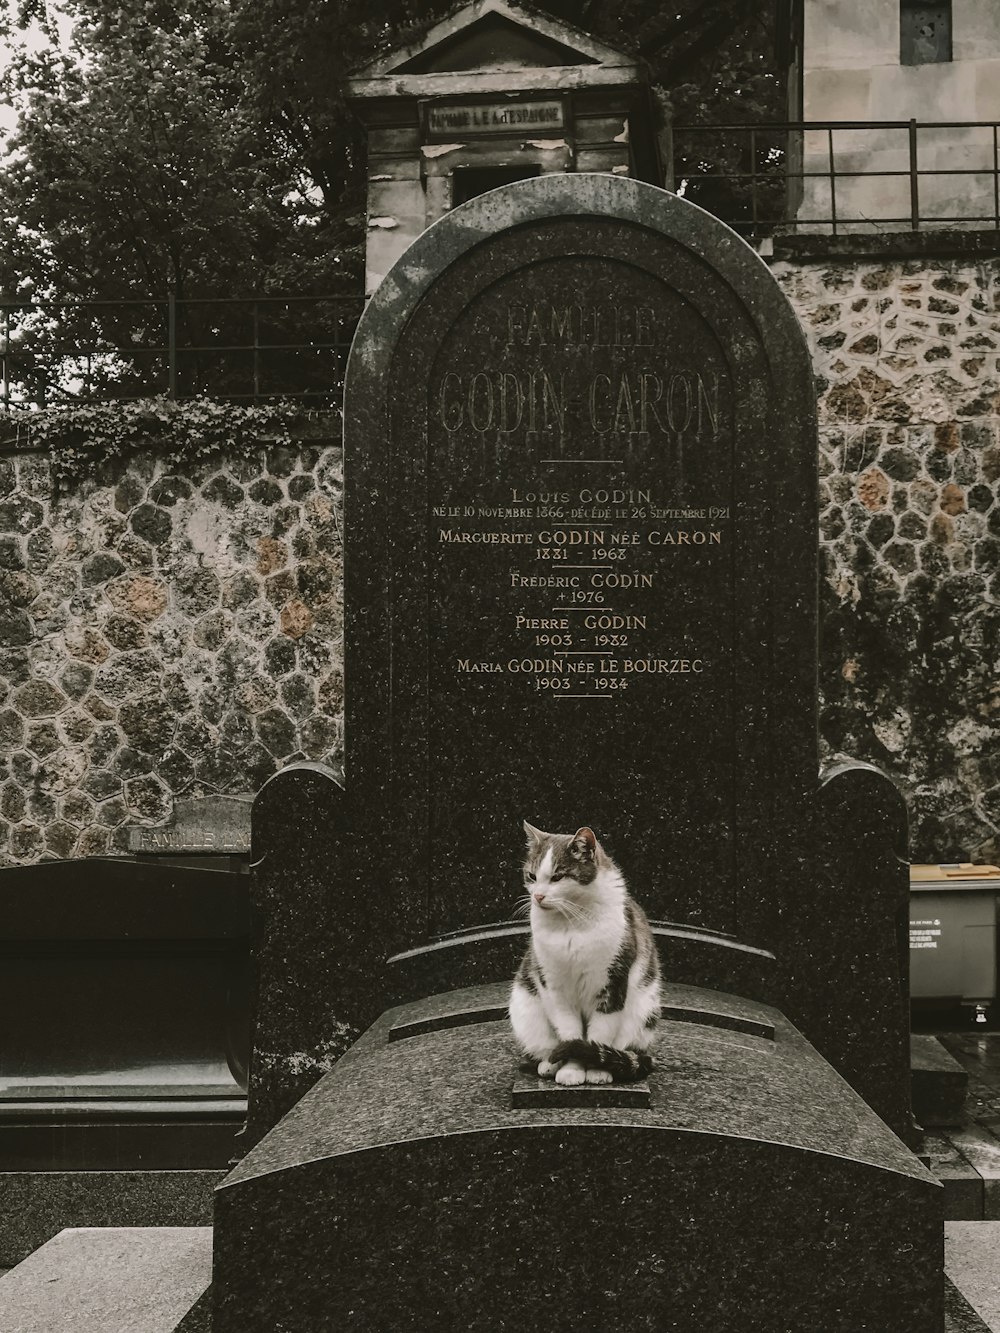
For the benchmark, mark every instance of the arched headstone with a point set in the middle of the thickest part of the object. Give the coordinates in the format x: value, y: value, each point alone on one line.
x: 581, y: 555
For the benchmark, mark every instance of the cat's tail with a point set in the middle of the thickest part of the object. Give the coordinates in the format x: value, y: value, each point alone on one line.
x: 623, y: 1066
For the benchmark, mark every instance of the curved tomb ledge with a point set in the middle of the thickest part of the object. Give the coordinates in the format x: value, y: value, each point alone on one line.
x: 465, y: 958
x: 483, y: 1004
x: 455, y: 1077
x: 407, y: 1170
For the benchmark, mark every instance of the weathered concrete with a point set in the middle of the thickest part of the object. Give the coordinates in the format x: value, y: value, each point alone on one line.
x: 109, y: 1280
x: 970, y: 1250
x: 852, y: 72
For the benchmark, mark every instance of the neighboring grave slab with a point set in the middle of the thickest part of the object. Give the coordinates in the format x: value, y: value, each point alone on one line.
x: 940, y: 1083
x: 111, y: 1280
x: 36, y: 1205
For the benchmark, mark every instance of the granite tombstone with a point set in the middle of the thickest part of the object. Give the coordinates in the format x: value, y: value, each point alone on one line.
x: 588, y: 513
x: 581, y: 587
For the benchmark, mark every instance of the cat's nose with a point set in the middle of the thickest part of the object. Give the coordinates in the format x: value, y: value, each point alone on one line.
x: 539, y: 898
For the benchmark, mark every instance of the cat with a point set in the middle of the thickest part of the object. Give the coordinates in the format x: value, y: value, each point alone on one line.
x: 586, y: 998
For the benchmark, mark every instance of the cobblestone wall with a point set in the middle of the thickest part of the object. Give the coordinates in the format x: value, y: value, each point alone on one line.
x: 162, y: 634
x: 177, y: 634
x: 907, y: 356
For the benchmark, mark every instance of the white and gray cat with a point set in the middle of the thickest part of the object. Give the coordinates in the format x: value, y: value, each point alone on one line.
x: 586, y: 997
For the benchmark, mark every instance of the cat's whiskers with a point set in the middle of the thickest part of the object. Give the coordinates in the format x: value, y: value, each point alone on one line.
x: 572, y: 911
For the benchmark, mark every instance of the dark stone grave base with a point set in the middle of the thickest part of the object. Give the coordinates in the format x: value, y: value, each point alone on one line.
x: 406, y: 1192
x: 35, y: 1205
x: 940, y: 1085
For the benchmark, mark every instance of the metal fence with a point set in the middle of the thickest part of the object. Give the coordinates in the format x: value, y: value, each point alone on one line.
x: 835, y: 177
x: 252, y: 350
x: 842, y: 177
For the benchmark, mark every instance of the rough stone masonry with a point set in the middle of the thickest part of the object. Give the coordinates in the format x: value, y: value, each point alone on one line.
x: 162, y: 634
x: 179, y: 633
x: 907, y: 357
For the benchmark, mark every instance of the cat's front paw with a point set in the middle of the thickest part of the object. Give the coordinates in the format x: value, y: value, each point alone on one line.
x: 546, y: 1069
x: 599, y: 1076
x: 571, y: 1075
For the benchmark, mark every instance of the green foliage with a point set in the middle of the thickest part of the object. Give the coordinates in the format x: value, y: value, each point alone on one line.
x: 204, y: 148
x: 138, y: 167
x: 83, y: 439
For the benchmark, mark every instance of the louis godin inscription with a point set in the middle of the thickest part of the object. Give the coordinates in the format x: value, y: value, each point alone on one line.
x: 589, y: 566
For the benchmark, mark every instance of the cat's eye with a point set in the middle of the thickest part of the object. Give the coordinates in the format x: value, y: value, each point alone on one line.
x: 529, y: 875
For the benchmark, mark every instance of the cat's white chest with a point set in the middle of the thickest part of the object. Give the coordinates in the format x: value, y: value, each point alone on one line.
x: 576, y: 963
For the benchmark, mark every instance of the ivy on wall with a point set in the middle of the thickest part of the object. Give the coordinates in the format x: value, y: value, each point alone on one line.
x: 82, y: 439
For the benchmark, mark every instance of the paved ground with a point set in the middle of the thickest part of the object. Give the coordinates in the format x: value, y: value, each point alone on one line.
x: 979, y: 1053
x: 967, y: 1159
x: 959, y: 1316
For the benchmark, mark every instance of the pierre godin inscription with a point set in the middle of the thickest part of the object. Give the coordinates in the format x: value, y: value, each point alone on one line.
x: 579, y: 551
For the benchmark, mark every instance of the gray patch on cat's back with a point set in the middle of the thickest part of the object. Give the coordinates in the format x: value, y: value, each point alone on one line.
x: 612, y: 998
x: 652, y: 967
x: 525, y: 979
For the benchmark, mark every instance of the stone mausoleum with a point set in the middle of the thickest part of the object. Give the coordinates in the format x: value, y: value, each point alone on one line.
x: 173, y: 637
x: 907, y: 91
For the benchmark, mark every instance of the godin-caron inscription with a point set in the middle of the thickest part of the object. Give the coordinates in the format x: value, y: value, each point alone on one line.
x: 604, y: 584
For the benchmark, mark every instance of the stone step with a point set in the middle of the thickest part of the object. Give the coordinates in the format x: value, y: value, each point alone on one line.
x: 112, y: 1280
x: 967, y: 1162
x: 970, y: 1250
x: 939, y: 1083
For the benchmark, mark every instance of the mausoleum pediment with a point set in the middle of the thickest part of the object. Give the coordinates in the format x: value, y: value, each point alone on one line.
x: 491, y: 38
x: 496, y: 42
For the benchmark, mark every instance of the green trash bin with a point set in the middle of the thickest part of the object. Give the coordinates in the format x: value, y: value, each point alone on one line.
x: 953, y: 935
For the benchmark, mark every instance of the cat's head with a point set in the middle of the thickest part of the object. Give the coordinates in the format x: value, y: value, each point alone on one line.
x: 564, y: 871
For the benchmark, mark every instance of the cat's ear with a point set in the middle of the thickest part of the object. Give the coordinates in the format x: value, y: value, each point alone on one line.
x: 584, y: 844
x: 535, y: 835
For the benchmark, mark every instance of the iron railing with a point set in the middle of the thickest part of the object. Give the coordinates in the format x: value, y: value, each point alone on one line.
x: 837, y: 177
x: 253, y: 350
x: 842, y: 177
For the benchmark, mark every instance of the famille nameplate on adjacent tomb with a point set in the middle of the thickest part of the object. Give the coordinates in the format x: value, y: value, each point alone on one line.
x: 200, y: 826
